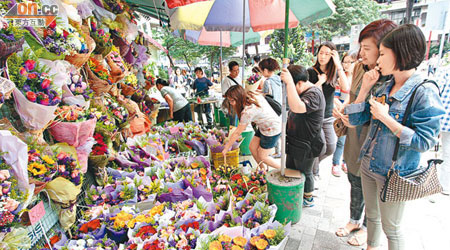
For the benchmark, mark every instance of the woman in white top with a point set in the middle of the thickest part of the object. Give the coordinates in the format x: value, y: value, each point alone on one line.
x: 253, y: 108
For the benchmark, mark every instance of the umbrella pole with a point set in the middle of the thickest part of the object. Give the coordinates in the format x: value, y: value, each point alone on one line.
x: 284, y: 93
x: 220, y: 60
x: 243, y: 42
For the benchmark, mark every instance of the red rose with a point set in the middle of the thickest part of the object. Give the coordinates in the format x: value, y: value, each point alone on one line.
x: 32, y: 76
x: 31, y: 96
x: 30, y: 64
x: 65, y: 34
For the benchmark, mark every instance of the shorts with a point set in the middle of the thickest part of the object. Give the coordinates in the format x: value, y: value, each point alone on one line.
x: 267, y: 142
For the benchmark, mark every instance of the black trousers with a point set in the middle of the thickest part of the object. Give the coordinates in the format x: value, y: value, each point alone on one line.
x: 183, y: 115
x: 306, y: 167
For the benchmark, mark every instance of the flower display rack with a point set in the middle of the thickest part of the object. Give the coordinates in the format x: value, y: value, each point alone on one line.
x: 49, y: 222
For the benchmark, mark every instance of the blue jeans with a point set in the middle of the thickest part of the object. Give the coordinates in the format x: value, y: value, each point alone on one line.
x: 339, y: 150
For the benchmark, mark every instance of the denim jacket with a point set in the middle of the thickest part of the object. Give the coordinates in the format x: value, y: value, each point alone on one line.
x: 419, y: 134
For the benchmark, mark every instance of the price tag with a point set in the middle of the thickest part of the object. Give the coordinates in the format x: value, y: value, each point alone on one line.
x: 174, y: 130
x: 36, y: 213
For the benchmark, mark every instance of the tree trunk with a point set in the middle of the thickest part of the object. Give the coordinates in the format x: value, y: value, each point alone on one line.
x: 186, y: 60
x: 409, y: 9
x: 256, y: 48
x: 170, y: 60
x: 211, y: 61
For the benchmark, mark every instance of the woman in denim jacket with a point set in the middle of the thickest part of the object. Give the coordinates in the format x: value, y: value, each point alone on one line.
x: 401, y: 52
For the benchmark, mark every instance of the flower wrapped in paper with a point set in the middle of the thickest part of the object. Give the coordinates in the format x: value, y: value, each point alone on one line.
x: 78, y: 91
x: 42, y: 166
x: 79, y: 58
x: 117, y: 65
x: 101, y: 36
x: 36, y: 96
x: 98, y: 76
x: 11, y: 40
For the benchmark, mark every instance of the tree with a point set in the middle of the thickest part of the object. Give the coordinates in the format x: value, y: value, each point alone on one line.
x: 212, y: 53
x: 297, y: 46
x: 190, y: 53
x: 348, y: 13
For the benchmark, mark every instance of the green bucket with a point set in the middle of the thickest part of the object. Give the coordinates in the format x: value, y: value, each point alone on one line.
x: 216, y: 115
x: 288, y: 196
x: 224, y: 121
x: 247, y: 137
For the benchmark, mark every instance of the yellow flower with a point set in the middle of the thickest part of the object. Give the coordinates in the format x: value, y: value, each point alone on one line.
x: 203, y: 171
x: 253, y: 240
x: 131, y: 223
x: 194, y: 165
x: 37, y: 168
x: 156, y: 210
x: 240, y: 241
x: 215, y: 245
x: 246, y: 178
x: 140, y: 218
x: 269, y: 233
x: 48, y: 160
x: 236, y: 247
x: 261, y: 244
x: 224, y: 238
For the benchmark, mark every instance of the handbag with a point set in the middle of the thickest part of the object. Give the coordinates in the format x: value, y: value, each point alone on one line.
x: 303, y: 149
x: 339, y: 128
x: 421, y: 183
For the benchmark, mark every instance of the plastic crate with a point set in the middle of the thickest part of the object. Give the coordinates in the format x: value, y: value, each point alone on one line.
x: 232, y: 158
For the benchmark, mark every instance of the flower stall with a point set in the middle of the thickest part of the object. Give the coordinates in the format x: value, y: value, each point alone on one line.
x: 83, y: 164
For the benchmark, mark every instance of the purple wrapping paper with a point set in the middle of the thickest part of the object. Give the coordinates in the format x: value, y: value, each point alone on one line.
x: 199, y: 191
x: 176, y: 195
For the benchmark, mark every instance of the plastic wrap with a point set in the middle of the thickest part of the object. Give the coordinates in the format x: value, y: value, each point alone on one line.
x: 16, y: 155
x: 34, y: 116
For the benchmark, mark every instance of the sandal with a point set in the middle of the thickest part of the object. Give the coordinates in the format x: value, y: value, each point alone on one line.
x: 343, y: 231
x: 358, y: 239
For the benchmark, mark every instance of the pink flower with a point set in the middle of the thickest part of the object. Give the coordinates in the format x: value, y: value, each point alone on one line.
x: 11, y: 204
x: 62, y: 168
x: 101, y: 32
x: 23, y: 71
x: 95, y: 197
x: 65, y: 34
x: 4, y: 174
x: 45, y: 102
x: 103, y: 196
x: 30, y: 64
x: 52, y: 24
x: 45, y: 84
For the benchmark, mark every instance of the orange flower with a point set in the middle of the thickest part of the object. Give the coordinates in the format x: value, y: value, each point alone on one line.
x: 224, y: 238
x: 240, y: 241
x: 269, y: 233
x: 194, y: 165
x: 215, y: 245
x: 253, y: 240
x: 235, y: 247
x: 261, y: 244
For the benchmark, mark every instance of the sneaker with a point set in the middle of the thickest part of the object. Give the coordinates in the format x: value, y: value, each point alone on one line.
x: 344, y: 167
x: 308, y: 202
x: 276, y: 156
x: 336, y: 171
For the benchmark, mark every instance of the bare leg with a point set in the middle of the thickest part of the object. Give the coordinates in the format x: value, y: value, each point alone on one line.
x: 254, y: 145
x: 263, y: 154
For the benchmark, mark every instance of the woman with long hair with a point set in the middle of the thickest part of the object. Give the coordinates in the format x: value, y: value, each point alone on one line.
x: 327, y: 73
x: 369, y: 38
x: 253, y: 108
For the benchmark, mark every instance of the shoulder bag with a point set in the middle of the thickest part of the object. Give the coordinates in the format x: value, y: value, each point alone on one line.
x: 421, y: 183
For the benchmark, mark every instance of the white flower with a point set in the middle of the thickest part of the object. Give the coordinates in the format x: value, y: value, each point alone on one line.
x: 90, y: 242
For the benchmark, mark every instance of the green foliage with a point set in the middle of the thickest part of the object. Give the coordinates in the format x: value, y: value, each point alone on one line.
x: 434, y: 49
x: 279, y: 236
x: 348, y: 13
x: 163, y: 73
x: 190, y: 53
x: 297, y: 46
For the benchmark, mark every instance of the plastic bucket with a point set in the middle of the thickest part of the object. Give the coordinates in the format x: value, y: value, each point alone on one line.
x: 216, y: 115
x: 288, y: 196
x: 224, y: 121
x: 247, y: 137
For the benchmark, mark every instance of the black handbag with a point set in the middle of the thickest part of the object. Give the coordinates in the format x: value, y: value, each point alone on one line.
x: 303, y: 149
x: 421, y: 183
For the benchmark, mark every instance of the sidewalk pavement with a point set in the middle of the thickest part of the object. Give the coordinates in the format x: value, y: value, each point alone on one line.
x: 426, y: 222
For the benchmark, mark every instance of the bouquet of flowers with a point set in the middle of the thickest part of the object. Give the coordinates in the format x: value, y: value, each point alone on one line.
x: 270, y: 237
x: 68, y: 168
x: 10, y: 197
x: 129, y: 85
x: 226, y: 242
x: 79, y: 40
x: 119, y: 113
x: 41, y: 167
x: 11, y: 39
x: 78, y: 86
x: 117, y: 65
x: 63, y: 42
x: 116, y: 7
x: 149, y: 78
x: 102, y: 38
x: 72, y: 114
x: 33, y: 79
x: 98, y: 76
x: 251, y: 82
